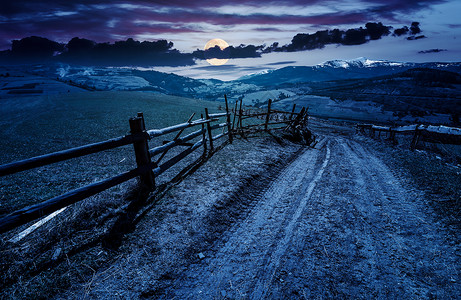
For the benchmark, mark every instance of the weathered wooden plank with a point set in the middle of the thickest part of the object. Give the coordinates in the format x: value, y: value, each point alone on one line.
x: 210, y: 136
x: 229, y: 124
x: 141, y: 151
x: 218, y: 115
x: 268, y: 113
x: 235, y: 115
x: 36, y: 211
x: 218, y: 126
x: 176, y: 137
x: 408, y: 128
x: 171, y: 162
x: 244, y: 117
x: 381, y: 128
x: 204, y: 139
x: 216, y: 137
x: 284, y: 112
x: 264, y: 124
x: 174, y: 143
x: 50, y: 158
x: 292, y: 111
x: 158, y: 132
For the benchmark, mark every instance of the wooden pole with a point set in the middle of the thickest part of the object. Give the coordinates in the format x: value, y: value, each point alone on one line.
x: 141, y: 150
x: 299, y: 117
x: 229, y: 127
x: 208, y: 125
x: 141, y: 115
x: 176, y: 137
x: 306, y: 118
x: 268, y: 114
x: 415, y: 139
x: 240, y: 114
x: 292, y: 111
x: 235, y: 115
x: 204, y: 137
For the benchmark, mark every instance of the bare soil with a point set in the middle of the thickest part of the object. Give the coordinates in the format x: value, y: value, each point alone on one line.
x: 282, y: 221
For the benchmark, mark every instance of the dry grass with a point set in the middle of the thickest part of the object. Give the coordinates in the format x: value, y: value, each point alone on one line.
x: 39, y: 125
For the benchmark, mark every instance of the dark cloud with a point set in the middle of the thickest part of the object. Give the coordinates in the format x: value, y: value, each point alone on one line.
x: 281, y: 63
x: 242, y: 51
x: 110, y: 21
x: 413, y: 31
x: 88, y: 52
x: 162, y: 53
x: 319, y: 39
x: 418, y: 37
x: 414, y: 28
x: 401, y: 31
x: 432, y: 51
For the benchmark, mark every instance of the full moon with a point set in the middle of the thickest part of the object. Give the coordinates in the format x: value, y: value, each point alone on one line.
x: 222, y: 45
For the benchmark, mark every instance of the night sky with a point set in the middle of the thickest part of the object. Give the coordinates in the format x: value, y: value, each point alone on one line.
x: 190, y: 24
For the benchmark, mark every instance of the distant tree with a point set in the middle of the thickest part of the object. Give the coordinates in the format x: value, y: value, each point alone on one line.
x: 414, y: 28
x: 401, y: 31
x: 35, y: 47
x: 80, y: 45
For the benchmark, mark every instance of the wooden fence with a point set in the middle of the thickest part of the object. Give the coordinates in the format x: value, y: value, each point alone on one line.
x: 273, y: 119
x: 427, y: 133
x: 148, y: 167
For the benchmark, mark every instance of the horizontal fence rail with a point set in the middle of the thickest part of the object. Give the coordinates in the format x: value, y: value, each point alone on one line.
x: 147, y: 168
x: 47, y: 159
x: 36, y: 211
x: 430, y: 133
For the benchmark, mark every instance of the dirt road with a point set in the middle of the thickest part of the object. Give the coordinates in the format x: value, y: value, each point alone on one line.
x: 335, y: 222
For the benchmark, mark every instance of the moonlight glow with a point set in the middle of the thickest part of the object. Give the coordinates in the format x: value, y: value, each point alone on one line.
x: 222, y: 45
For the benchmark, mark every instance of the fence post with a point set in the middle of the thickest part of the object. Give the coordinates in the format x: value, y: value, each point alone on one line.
x: 240, y: 116
x: 235, y: 114
x: 141, y: 151
x: 229, y: 128
x: 299, y: 117
x: 208, y: 125
x: 414, y: 141
x: 293, y: 111
x: 268, y: 114
x: 305, y: 119
x: 203, y: 137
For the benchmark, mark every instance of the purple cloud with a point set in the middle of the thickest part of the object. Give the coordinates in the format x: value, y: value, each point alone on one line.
x: 108, y: 21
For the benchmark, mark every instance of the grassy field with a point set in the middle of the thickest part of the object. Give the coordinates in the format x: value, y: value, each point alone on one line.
x: 37, y: 125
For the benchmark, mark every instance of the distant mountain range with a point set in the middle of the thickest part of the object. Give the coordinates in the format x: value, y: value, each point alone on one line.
x: 426, y: 92
x: 340, y: 69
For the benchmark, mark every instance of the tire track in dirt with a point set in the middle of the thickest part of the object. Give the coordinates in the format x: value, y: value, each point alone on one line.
x: 366, y: 233
x: 267, y: 274
x: 254, y: 246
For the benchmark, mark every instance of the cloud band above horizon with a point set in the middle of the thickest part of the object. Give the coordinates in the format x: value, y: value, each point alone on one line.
x: 147, y: 20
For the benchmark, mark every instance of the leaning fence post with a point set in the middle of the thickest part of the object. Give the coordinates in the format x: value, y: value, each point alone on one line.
x: 204, y: 138
x: 414, y: 141
x: 268, y: 114
x: 293, y: 111
x: 306, y: 118
x: 235, y: 114
x: 229, y: 127
x: 240, y: 117
x: 141, y: 151
x: 208, y: 125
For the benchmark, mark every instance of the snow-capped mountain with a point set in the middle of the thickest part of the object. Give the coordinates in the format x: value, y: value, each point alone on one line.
x: 362, y: 62
x: 339, y: 70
